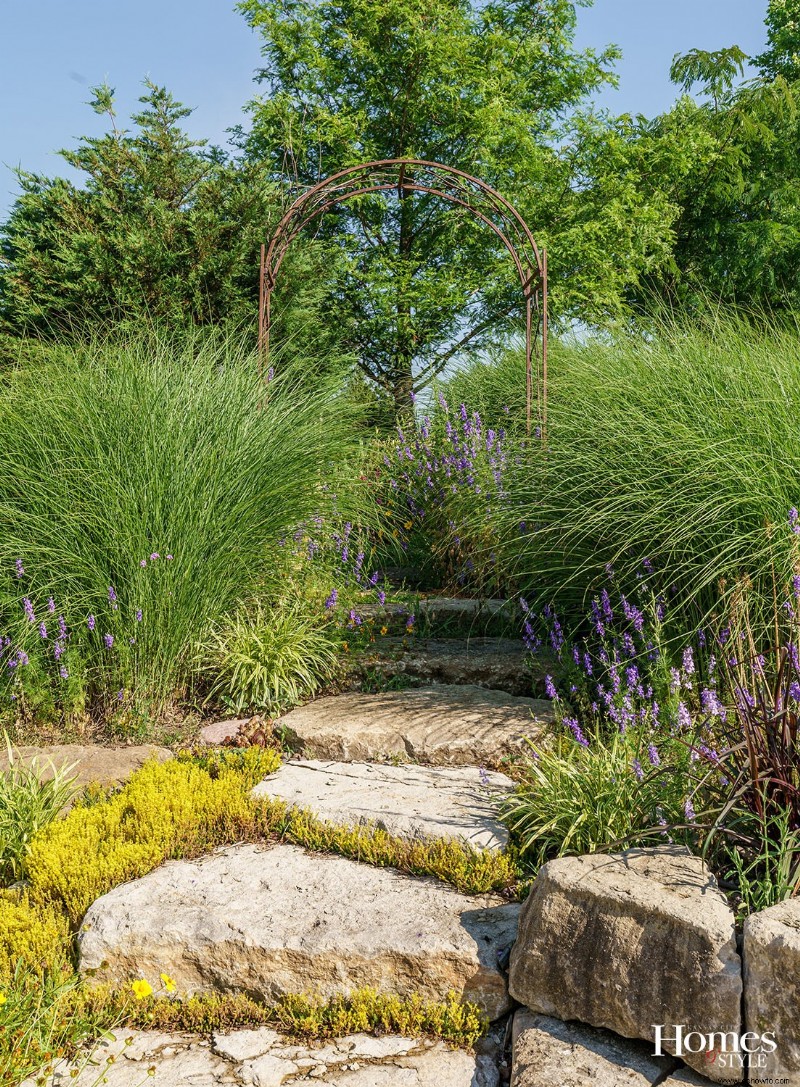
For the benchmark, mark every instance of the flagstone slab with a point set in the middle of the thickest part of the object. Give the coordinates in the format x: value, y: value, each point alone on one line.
x: 90, y: 762
x: 275, y: 920
x: 407, y: 801
x: 263, y: 1058
x: 445, y: 725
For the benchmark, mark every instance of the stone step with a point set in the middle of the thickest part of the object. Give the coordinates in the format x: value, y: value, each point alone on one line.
x: 266, y: 1059
x: 407, y: 801
x: 440, y: 613
x: 445, y: 725
x: 500, y: 664
x: 275, y: 920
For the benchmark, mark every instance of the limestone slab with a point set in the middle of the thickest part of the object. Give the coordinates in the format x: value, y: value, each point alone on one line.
x: 625, y: 941
x: 407, y: 801
x: 92, y: 762
x: 134, y: 1058
x: 547, y: 1051
x: 276, y: 920
x: 771, y: 953
x: 447, y: 725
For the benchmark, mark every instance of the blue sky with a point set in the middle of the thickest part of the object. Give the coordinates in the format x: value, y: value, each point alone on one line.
x: 204, y: 52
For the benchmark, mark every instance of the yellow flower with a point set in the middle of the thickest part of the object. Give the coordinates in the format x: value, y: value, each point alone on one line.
x: 168, y: 983
x: 409, y: 524
x: 3, y: 999
x: 384, y: 630
x: 141, y: 989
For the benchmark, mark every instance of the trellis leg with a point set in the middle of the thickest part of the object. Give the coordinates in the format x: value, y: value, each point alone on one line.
x: 528, y: 360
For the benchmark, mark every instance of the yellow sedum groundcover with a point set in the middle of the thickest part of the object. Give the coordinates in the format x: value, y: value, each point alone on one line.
x: 181, y: 808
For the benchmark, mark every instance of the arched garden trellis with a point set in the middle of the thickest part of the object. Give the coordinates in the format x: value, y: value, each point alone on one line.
x: 417, y: 175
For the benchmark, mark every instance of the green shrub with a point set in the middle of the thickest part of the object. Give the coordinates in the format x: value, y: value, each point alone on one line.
x: 144, y: 488
x: 268, y: 658
x: 574, y: 798
x: 28, y: 803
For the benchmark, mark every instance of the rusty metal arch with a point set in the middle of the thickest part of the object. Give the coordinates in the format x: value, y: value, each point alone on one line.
x: 447, y: 183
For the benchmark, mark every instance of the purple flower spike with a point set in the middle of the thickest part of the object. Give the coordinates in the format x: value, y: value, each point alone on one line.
x: 653, y: 755
x: 168, y: 558
x: 29, y: 613
x: 794, y: 521
x: 331, y: 601
x: 143, y: 562
x: 572, y: 724
x: 138, y: 615
x: 155, y: 556
x: 112, y: 597
x: 20, y: 568
x: 90, y: 622
x: 51, y: 606
x: 42, y: 631
x: 109, y: 640
x: 63, y: 672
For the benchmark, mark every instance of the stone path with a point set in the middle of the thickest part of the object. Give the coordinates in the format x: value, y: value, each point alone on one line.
x: 447, y: 725
x: 407, y: 801
x: 262, y: 1058
x: 277, y: 920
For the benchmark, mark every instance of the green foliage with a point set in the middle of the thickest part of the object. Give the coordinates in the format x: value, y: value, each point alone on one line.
x: 782, y: 56
x: 482, y: 87
x: 268, y: 658
x: 575, y: 799
x: 41, y: 1022
x: 729, y: 167
x: 163, y: 230
x: 158, y: 469
x: 29, y: 801
x: 679, y: 446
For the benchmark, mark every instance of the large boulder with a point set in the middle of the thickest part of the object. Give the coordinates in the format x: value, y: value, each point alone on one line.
x: 548, y: 1052
x: 630, y: 940
x: 262, y: 1058
x: 276, y: 920
x: 443, y: 726
x: 407, y: 801
x: 771, y: 954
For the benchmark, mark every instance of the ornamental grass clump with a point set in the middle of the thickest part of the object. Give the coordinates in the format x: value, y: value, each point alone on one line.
x: 144, y: 487
x: 679, y: 443
x: 31, y: 797
x: 269, y: 658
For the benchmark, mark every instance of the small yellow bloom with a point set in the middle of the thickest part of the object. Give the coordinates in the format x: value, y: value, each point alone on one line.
x: 141, y: 989
x: 384, y: 630
x: 3, y: 999
x: 168, y: 983
x: 409, y: 524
